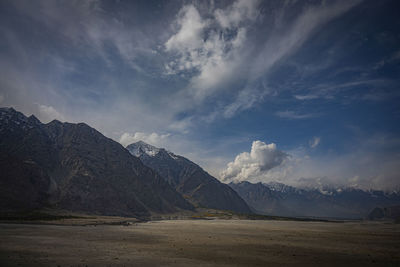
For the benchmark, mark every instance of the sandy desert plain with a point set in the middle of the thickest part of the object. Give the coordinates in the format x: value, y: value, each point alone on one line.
x: 201, y: 243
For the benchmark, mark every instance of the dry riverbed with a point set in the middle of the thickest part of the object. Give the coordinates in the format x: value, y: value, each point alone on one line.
x: 202, y: 243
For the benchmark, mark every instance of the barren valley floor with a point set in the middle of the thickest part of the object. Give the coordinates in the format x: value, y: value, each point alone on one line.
x: 202, y: 243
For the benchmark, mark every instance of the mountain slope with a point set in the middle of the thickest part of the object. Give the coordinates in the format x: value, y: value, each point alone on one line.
x: 284, y: 200
x: 189, y: 179
x: 74, y: 167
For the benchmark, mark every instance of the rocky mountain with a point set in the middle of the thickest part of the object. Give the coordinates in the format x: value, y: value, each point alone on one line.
x: 74, y: 167
x: 283, y: 200
x: 195, y: 184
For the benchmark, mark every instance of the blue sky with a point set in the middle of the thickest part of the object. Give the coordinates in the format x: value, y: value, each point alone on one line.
x: 315, y: 82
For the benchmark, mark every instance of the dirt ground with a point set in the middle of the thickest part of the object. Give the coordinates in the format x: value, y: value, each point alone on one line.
x: 202, y: 243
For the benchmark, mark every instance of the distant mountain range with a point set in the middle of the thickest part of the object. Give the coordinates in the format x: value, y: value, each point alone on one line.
x: 74, y: 167
x: 283, y: 200
x: 190, y: 180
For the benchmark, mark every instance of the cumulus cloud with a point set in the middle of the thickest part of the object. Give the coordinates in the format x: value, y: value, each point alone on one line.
x: 372, y: 163
x: 315, y: 142
x: 210, y: 49
x: 152, y: 139
x: 261, y: 159
x: 213, y: 49
x: 49, y: 113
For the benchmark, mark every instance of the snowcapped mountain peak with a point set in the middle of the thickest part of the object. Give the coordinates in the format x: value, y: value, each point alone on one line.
x: 188, y: 178
x: 277, y: 186
x: 139, y: 148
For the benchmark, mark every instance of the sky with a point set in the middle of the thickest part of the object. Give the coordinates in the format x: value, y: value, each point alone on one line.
x: 301, y: 92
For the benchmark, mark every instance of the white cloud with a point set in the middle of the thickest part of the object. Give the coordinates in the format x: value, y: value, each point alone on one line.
x: 372, y: 163
x: 306, y: 97
x: 261, y: 159
x: 205, y: 50
x: 328, y: 90
x: 154, y: 139
x: 279, y: 44
x: 190, y: 31
x: 246, y: 99
x: 238, y: 12
x: 288, y: 114
x: 84, y: 23
x: 315, y: 142
x: 48, y: 113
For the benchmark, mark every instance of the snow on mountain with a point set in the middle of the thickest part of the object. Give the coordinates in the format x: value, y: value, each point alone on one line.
x: 189, y: 179
x: 139, y: 148
x: 68, y: 166
x: 275, y: 198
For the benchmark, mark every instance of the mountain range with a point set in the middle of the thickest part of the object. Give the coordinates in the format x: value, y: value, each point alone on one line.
x: 189, y: 179
x: 284, y: 200
x: 73, y: 167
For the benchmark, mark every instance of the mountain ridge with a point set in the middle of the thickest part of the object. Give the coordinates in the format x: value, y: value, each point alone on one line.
x: 284, y: 200
x: 189, y: 179
x: 74, y: 167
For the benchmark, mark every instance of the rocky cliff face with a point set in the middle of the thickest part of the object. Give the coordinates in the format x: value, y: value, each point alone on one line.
x: 189, y: 179
x: 74, y: 167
